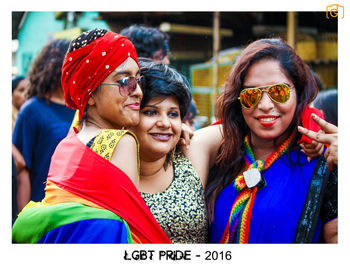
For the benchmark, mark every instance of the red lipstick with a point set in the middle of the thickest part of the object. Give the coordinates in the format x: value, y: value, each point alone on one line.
x: 267, y: 120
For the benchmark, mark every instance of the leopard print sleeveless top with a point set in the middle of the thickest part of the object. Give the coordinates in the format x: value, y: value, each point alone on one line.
x: 180, y: 210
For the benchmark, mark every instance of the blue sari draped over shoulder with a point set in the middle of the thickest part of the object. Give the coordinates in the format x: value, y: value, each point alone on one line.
x: 277, y: 206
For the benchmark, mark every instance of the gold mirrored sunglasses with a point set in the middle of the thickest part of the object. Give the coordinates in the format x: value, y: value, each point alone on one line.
x: 250, y: 97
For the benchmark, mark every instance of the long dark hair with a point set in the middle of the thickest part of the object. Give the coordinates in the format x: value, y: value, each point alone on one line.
x: 230, y: 160
x: 45, y: 74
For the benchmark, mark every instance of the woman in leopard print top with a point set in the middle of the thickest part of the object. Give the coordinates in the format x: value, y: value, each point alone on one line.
x: 171, y: 182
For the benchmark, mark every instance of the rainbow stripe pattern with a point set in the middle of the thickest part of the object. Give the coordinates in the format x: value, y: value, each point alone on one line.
x: 237, y: 228
x: 42, y: 223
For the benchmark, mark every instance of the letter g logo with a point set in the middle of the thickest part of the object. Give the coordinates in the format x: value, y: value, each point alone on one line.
x: 334, y: 11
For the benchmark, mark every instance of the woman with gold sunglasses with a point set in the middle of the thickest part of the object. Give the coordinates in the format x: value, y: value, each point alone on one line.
x: 263, y: 189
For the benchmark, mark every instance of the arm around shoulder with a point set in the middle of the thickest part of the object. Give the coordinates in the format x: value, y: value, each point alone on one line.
x: 204, y: 148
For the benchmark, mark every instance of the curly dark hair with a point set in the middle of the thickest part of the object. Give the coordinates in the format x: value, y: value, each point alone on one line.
x: 45, y: 74
x: 147, y: 40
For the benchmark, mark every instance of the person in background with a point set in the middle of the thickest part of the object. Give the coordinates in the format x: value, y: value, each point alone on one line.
x: 14, y: 186
x: 260, y: 183
x: 44, y: 119
x: 91, y: 193
x: 149, y: 42
x: 191, y: 115
x: 318, y: 81
x: 20, y: 195
x: 19, y: 95
x: 327, y: 102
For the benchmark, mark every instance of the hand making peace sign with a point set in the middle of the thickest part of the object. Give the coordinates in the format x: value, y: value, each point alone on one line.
x: 330, y: 138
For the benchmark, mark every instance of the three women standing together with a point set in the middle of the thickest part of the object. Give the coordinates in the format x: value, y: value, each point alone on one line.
x: 258, y: 133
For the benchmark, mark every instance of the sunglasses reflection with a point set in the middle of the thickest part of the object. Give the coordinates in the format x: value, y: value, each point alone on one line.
x: 250, y: 97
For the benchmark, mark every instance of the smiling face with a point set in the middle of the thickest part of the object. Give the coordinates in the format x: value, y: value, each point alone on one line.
x: 108, y: 108
x: 160, y: 127
x: 268, y: 119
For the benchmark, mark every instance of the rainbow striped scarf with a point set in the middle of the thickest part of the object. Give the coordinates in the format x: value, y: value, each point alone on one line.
x: 237, y: 228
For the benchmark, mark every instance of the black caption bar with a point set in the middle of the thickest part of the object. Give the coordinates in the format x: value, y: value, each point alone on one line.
x: 175, y: 255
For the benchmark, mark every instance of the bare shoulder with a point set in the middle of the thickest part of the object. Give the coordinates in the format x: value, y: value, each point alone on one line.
x: 125, y: 149
x: 212, y: 130
x: 125, y: 157
x: 207, y: 139
x: 128, y: 140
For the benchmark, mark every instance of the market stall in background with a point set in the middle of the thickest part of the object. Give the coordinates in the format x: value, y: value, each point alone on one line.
x: 203, y: 45
x: 320, y: 53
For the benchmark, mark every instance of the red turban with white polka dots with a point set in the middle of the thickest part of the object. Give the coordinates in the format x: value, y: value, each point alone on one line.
x: 87, y: 66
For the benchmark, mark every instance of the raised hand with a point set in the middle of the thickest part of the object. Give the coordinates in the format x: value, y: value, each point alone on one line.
x: 329, y: 138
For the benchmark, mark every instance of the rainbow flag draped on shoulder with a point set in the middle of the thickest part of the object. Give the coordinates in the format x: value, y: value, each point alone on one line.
x: 87, y: 200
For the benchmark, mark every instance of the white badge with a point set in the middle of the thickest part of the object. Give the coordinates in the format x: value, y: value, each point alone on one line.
x: 252, y: 177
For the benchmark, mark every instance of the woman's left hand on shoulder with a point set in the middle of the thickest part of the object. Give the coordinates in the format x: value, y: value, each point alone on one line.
x: 186, y: 136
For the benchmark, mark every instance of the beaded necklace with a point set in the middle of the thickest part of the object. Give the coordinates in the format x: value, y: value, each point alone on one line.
x: 237, y: 228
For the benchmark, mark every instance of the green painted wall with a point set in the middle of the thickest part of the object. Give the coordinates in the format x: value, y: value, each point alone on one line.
x: 37, y: 30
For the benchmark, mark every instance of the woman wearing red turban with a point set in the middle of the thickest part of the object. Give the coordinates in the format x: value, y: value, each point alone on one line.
x: 92, y: 187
